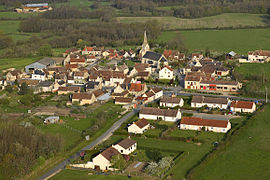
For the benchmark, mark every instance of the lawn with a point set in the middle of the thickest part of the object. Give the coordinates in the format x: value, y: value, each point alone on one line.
x: 223, y: 41
x: 235, y: 20
x: 71, y: 129
x: 246, y: 156
x: 17, y: 63
x: 256, y: 86
x: 82, y: 175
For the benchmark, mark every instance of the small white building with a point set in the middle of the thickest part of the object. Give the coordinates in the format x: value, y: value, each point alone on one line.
x: 139, y: 127
x: 151, y: 113
x: 243, y: 106
x: 195, y: 123
x: 166, y: 73
x: 126, y: 146
x: 39, y: 75
x: 171, y: 102
x: 211, y: 102
x: 51, y: 119
x: 259, y: 56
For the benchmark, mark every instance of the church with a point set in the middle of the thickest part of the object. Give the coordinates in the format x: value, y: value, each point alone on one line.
x: 155, y: 60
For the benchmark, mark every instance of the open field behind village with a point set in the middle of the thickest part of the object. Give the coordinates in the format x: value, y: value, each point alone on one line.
x: 245, y: 156
x: 227, y: 20
x: 223, y: 41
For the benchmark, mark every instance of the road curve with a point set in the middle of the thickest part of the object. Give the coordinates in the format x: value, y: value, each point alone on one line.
x: 99, y: 140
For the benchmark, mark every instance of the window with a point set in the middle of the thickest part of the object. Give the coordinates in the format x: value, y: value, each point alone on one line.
x: 225, y: 87
x: 121, y: 151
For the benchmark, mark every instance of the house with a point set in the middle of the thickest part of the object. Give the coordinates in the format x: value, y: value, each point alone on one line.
x: 68, y: 90
x: 103, y: 160
x: 142, y: 76
x: 29, y: 82
x: 155, y: 60
x: 97, y: 93
x: 122, y: 94
x: 157, y: 91
x: 140, y: 67
x: 220, y: 85
x: 196, y: 56
x: 139, y: 127
x: 166, y: 72
x: 39, y: 75
x: 80, y: 61
x: 137, y: 88
x: 71, y: 51
x: 231, y: 55
x: 51, y: 120
x: 171, y: 102
x: 88, y: 50
x: 41, y: 64
x: 259, y: 56
x: 211, y: 102
x: 149, y: 96
x: 83, y: 98
x: 123, y: 100
x: 126, y: 146
x: 195, y: 123
x: 151, y: 113
x: 173, y: 55
x: 243, y: 106
x: 92, y: 85
x: 14, y: 75
x: 46, y: 86
x: 79, y: 77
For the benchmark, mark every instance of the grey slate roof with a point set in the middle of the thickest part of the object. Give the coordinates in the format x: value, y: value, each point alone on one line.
x: 45, y: 83
x: 152, y: 55
x: 46, y: 61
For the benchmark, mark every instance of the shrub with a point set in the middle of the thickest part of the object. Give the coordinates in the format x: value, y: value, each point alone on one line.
x: 4, y: 101
x: 153, y: 155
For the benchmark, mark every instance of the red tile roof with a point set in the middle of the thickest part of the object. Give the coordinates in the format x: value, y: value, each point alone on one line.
x: 141, y: 123
x: 88, y: 49
x: 137, y: 87
x: 242, y: 104
x: 204, y: 122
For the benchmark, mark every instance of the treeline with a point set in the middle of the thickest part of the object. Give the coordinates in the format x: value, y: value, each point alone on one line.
x: 66, y: 32
x: 21, y: 148
x: 20, y: 2
x: 191, y: 8
x: 71, y: 12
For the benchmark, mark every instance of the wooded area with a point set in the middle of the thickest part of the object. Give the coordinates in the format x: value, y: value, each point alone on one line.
x: 21, y: 148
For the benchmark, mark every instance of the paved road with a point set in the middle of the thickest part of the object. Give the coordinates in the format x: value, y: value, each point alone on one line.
x: 100, y: 139
x: 209, y: 116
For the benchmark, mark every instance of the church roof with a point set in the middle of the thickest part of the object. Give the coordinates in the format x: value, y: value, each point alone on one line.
x: 152, y: 55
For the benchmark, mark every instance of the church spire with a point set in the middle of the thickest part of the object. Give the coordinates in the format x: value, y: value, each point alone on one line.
x: 145, y: 38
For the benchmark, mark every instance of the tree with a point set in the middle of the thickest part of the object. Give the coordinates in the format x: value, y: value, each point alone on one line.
x: 9, y: 89
x: 26, y: 99
x: 45, y: 50
x: 207, y: 52
x: 152, y: 168
x: 23, y: 89
x: 81, y: 43
x: 153, y: 155
x: 118, y: 161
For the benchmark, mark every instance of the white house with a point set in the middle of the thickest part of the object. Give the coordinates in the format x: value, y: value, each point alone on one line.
x: 39, y: 75
x: 158, y: 92
x: 171, y: 102
x: 102, y: 161
x: 139, y: 127
x: 211, y: 102
x: 126, y: 146
x: 166, y: 73
x: 195, y: 123
x: 259, y: 56
x: 243, y: 106
x: 151, y: 113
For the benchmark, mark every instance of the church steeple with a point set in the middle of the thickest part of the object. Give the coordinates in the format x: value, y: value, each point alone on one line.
x: 145, y: 38
x: 145, y: 46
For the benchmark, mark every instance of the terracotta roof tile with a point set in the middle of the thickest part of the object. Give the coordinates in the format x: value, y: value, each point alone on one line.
x: 126, y: 143
x: 141, y: 123
x: 204, y: 122
x: 242, y: 104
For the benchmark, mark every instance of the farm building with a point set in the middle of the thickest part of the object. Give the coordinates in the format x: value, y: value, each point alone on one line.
x: 39, y: 65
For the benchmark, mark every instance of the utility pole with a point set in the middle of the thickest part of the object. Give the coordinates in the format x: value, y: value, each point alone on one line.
x: 266, y: 91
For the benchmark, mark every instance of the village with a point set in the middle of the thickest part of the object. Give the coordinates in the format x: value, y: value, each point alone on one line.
x: 150, y: 83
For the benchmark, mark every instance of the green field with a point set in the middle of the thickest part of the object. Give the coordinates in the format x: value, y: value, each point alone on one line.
x: 14, y: 15
x: 247, y: 156
x: 17, y: 63
x: 223, y: 41
x: 83, y: 175
x: 234, y: 20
